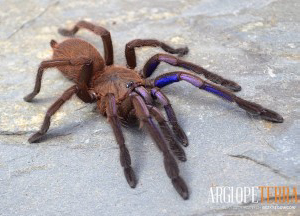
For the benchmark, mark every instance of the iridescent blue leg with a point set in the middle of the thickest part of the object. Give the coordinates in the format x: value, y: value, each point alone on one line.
x: 250, y: 107
x: 154, y: 61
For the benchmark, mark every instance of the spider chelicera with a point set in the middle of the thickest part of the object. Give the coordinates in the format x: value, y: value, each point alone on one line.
x: 124, y: 95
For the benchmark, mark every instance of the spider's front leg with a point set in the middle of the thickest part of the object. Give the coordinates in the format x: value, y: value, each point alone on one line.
x: 173, y: 144
x: 84, y: 76
x: 111, y: 112
x: 250, y: 107
x: 166, y: 130
x: 170, y: 164
x: 38, y: 81
x: 165, y: 102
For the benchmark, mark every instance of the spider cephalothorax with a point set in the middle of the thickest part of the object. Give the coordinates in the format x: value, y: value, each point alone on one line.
x: 124, y: 95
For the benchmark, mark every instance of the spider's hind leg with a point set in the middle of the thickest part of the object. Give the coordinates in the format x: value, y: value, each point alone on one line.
x: 98, y: 30
x: 38, y: 81
x: 80, y: 90
x: 51, y: 111
x: 130, y: 52
x: 86, y: 71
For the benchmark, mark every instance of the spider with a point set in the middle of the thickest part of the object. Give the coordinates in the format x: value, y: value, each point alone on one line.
x: 125, y: 95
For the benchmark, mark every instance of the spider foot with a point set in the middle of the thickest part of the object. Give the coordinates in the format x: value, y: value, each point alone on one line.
x: 29, y: 97
x: 258, y: 110
x: 173, y: 173
x: 65, y: 32
x: 181, y: 187
x: 231, y: 85
x: 180, y: 134
x: 182, y: 51
x: 130, y: 177
x: 272, y: 116
x: 35, y: 137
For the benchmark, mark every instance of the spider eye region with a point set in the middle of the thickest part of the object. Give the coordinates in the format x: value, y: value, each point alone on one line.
x: 128, y: 85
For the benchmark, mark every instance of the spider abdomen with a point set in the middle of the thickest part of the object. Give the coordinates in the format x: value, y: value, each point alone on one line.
x: 76, y: 48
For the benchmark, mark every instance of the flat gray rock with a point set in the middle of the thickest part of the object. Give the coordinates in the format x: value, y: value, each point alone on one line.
x: 76, y: 169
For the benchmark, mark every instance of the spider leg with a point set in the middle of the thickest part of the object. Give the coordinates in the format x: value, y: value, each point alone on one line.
x: 250, y: 107
x: 154, y: 61
x: 98, y: 30
x: 176, y: 149
x: 55, y: 63
x: 178, y: 131
x: 44, y: 65
x: 51, y: 111
x: 84, y: 78
x: 82, y: 92
x: 166, y: 130
x: 144, y: 94
x: 111, y: 111
x: 130, y: 53
x: 170, y: 164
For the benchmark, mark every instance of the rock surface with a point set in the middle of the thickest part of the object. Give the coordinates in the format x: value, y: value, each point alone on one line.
x: 76, y: 169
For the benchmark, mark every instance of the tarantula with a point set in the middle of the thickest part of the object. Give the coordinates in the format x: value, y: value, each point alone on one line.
x: 124, y: 95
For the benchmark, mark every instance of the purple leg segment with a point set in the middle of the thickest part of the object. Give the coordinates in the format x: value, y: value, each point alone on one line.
x: 250, y: 107
x: 172, y: 77
x: 163, y: 100
x: 154, y: 61
x: 166, y: 80
x: 215, y: 91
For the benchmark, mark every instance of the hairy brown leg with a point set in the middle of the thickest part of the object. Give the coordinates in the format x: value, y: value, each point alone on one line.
x: 51, y: 111
x: 111, y: 111
x: 130, y: 53
x: 80, y: 89
x: 55, y: 63
x: 166, y: 130
x: 84, y: 78
x: 44, y: 65
x: 250, y: 107
x: 163, y: 100
x: 170, y: 163
x: 98, y: 30
x: 154, y: 61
